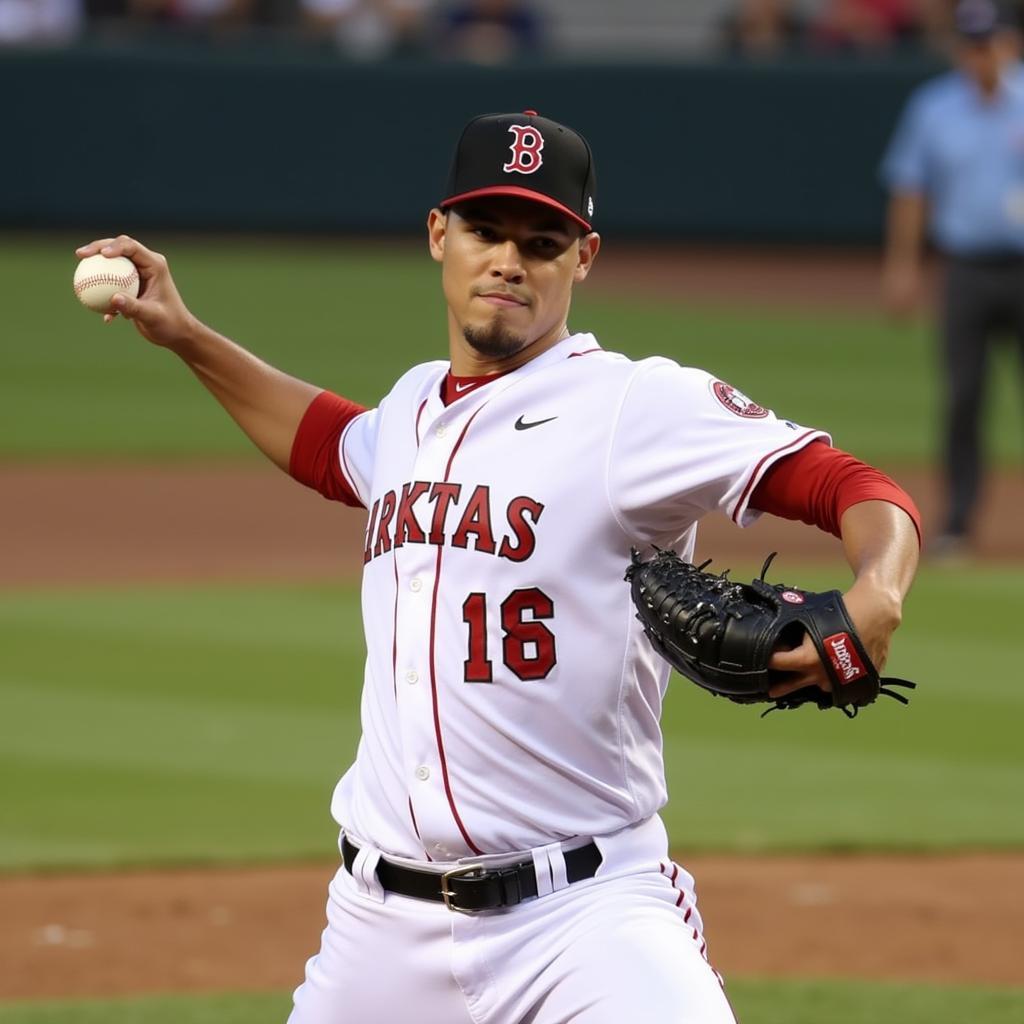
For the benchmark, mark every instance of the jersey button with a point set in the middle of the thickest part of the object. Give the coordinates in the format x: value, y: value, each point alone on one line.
x: 415, y: 584
x: 412, y: 677
x: 423, y: 773
x: 441, y: 431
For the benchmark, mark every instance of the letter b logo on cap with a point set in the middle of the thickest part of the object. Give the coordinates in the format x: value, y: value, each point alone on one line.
x: 526, y: 149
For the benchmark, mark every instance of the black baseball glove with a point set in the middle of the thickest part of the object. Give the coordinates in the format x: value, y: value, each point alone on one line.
x: 721, y: 634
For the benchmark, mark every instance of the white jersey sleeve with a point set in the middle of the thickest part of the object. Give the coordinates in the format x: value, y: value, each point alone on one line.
x: 357, y: 452
x: 359, y: 441
x: 685, y: 443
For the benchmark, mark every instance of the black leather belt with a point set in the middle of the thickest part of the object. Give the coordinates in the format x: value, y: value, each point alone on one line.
x: 471, y: 887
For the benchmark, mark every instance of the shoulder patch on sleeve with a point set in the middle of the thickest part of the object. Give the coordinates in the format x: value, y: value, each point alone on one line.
x: 736, y: 402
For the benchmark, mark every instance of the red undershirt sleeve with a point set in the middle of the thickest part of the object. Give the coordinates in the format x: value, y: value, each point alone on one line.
x: 817, y: 484
x: 316, y: 458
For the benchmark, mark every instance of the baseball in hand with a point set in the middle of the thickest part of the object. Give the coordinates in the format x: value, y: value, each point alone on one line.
x: 99, y: 278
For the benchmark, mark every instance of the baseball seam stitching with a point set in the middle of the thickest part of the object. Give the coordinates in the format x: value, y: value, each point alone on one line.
x: 120, y: 280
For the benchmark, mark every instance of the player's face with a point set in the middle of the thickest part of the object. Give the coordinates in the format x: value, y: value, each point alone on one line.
x: 508, y: 267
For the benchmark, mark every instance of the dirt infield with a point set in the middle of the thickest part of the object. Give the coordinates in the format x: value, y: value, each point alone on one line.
x: 66, y: 524
x: 944, y: 919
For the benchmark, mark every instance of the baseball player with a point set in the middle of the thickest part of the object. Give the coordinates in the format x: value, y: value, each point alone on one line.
x: 503, y: 860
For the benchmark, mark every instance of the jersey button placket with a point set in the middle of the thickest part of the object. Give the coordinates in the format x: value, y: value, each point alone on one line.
x: 415, y: 571
x: 416, y: 587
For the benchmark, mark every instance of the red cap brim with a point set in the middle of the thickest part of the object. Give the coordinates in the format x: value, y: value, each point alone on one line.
x: 520, y: 192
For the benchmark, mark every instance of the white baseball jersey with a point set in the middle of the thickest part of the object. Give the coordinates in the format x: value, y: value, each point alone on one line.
x: 511, y: 699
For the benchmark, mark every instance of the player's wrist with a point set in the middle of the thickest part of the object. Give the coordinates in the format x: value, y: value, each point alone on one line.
x: 190, y: 337
x: 881, y: 596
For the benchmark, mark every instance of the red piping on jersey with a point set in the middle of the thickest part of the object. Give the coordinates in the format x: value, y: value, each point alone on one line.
x: 757, y: 469
x: 394, y: 628
x: 416, y: 829
x: 419, y: 413
x: 586, y: 351
x: 433, y: 672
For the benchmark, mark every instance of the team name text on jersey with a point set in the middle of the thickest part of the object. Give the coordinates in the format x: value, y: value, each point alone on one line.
x: 394, y: 521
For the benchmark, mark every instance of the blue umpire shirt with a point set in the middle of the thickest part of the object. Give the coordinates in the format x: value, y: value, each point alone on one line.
x: 966, y: 155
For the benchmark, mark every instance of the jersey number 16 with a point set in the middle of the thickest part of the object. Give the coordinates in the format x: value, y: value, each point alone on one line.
x: 527, y: 647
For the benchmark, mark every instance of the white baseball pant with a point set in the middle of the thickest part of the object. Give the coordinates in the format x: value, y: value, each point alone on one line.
x: 624, y: 945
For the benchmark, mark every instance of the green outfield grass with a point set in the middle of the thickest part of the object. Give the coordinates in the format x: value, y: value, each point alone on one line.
x: 210, y: 724
x: 175, y: 725
x: 259, y: 1008
x: 353, y: 316
x: 766, y: 1002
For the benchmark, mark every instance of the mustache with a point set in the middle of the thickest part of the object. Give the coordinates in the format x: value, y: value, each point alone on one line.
x: 509, y: 293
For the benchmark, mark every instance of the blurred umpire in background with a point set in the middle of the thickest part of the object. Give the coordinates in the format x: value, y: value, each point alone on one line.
x: 956, y: 166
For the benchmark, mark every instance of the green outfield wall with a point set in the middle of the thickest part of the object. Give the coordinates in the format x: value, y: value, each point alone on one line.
x: 295, y: 140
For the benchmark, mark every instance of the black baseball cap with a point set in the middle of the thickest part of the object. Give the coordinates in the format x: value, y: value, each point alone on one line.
x: 524, y: 155
x: 981, y: 19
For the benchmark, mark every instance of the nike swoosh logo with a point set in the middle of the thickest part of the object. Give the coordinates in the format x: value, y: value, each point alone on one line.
x: 521, y: 424
x: 462, y: 387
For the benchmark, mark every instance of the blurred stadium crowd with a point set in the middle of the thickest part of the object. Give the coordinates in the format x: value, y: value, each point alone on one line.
x: 496, y: 31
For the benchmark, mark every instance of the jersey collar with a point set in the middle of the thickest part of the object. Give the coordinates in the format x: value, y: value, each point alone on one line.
x: 574, y: 345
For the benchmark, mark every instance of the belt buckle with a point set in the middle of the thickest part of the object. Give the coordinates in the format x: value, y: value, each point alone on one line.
x: 447, y: 894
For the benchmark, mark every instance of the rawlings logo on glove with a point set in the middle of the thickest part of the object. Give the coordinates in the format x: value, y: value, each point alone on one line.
x: 721, y: 634
x: 846, y: 662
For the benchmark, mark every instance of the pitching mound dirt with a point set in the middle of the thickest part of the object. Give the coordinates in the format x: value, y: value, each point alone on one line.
x: 942, y: 919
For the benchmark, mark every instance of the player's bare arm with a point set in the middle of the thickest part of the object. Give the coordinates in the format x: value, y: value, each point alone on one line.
x: 266, y: 403
x: 881, y: 544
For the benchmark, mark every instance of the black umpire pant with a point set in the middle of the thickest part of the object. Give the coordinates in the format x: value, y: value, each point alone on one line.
x: 984, y: 298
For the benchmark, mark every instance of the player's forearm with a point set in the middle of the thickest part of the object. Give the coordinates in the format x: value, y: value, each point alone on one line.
x: 905, y: 229
x: 882, y: 546
x: 265, y: 402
